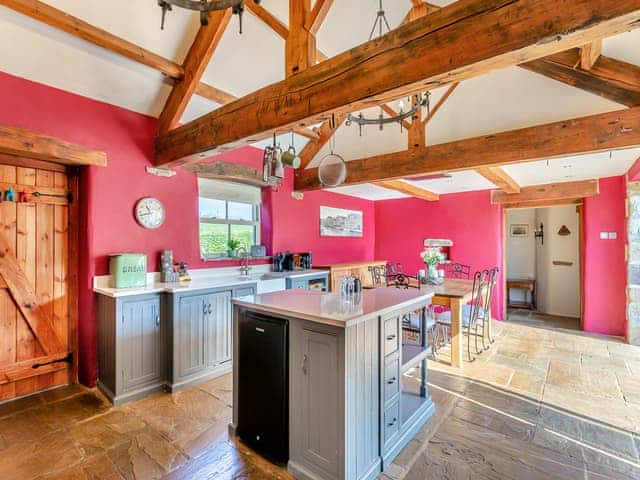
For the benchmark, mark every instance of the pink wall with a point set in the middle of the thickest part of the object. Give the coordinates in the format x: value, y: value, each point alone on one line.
x: 605, y: 269
x: 469, y: 219
x: 107, y: 195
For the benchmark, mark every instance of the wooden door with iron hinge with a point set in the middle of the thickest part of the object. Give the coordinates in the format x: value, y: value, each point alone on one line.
x: 38, y: 277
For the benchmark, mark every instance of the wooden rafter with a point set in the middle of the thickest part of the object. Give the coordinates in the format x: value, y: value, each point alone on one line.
x: 318, y: 15
x: 268, y: 18
x: 408, y: 189
x: 300, y: 45
x: 312, y: 147
x: 25, y: 143
x: 196, y: 62
x: 590, y: 53
x: 609, y: 78
x: 414, y: 56
x: 441, y: 101
x: 595, y: 133
x: 499, y: 178
x: 550, y: 192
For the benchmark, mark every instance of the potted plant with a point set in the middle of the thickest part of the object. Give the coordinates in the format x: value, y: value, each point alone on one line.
x: 432, y: 257
x: 232, y: 246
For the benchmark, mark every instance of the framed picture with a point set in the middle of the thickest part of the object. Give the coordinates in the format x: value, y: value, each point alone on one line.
x: 519, y: 230
x: 337, y: 222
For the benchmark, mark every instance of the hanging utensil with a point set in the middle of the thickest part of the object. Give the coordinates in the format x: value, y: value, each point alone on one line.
x: 332, y: 170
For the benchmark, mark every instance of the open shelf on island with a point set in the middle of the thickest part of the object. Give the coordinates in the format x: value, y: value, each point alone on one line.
x: 413, y: 354
x: 410, y: 399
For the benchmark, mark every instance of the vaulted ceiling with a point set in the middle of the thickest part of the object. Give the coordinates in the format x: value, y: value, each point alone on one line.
x: 501, y: 100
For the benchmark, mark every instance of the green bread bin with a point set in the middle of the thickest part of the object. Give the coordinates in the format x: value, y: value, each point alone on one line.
x: 128, y: 270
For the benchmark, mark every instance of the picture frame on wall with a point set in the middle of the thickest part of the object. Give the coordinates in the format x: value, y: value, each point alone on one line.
x: 519, y: 230
x: 338, y: 222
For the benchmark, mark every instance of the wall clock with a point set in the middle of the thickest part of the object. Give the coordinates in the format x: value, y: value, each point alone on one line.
x: 149, y: 212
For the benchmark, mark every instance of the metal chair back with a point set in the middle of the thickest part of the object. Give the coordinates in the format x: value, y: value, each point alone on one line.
x: 406, y: 281
x: 458, y: 270
x: 378, y: 275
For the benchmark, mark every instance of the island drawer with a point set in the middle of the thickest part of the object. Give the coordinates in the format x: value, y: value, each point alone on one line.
x: 391, y: 420
x: 391, y: 335
x: 391, y: 377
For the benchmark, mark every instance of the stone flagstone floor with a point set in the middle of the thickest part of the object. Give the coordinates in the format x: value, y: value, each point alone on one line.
x: 539, y: 404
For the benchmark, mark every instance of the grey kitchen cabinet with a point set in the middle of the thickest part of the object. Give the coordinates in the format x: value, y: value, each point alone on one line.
x: 131, y: 346
x: 218, y: 329
x: 309, y: 282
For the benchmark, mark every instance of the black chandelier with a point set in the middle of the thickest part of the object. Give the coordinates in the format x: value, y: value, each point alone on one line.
x: 416, y: 101
x: 204, y: 7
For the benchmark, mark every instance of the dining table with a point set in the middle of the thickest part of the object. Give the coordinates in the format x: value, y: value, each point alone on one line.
x: 454, y: 293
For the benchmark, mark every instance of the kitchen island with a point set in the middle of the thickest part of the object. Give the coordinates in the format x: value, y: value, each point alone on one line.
x: 326, y: 385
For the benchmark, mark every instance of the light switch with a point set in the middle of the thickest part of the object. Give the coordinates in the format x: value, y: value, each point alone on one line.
x: 604, y: 235
x: 613, y: 235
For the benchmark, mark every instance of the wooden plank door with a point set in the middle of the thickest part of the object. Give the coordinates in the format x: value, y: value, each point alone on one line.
x: 37, y: 311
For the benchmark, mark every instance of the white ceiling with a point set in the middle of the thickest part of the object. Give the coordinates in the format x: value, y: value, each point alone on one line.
x: 501, y: 100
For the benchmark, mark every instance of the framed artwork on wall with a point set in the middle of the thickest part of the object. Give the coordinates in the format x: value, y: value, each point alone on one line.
x: 519, y: 230
x: 338, y: 222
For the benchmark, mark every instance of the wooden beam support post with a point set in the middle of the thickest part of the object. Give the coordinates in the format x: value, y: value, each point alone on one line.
x: 551, y: 192
x: 595, y: 133
x: 408, y: 189
x: 590, y: 53
x: 317, y: 16
x: 500, y: 179
x: 300, y: 46
x: 424, y: 54
x: 325, y: 133
x: 25, y: 143
x: 196, y: 62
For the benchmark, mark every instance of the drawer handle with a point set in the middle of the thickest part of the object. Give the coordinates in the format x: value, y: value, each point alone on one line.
x: 391, y: 337
x: 393, y: 422
x: 204, y: 308
x: 209, y: 310
x: 391, y: 381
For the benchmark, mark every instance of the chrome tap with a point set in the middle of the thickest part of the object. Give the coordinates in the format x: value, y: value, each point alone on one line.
x: 244, y: 265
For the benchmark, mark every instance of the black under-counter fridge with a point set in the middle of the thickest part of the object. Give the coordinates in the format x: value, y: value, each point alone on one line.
x: 263, y: 384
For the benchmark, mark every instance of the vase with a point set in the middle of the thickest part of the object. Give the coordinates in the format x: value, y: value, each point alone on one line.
x: 432, y: 273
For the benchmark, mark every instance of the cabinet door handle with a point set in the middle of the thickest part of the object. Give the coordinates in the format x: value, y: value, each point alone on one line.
x: 158, y: 320
x: 392, y: 423
x: 209, y: 310
x: 391, y: 381
x: 391, y: 337
x: 304, y: 364
x: 204, y: 308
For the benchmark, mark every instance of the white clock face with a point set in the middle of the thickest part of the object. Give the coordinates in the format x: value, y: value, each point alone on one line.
x: 149, y: 212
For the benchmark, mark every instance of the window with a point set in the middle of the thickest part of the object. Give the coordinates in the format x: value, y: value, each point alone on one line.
x: 227, y: 211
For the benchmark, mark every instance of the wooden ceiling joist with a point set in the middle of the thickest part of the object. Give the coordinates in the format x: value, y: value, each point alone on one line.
x: 318, y: 15
x: 609, y: 78
x: 590, y: 53
x: 566, y: 191
x: 500, y: 179
x: 268, y: 18
x: 300, y: 45
x: 595, y: 133
x: 25, y: 143
x: 196, y: 62
x: 408, y: 189
x: 426, y: 53
x: 313, y: 147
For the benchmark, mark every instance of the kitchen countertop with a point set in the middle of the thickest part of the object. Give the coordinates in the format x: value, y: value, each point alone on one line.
x: 331, y: 308
x: 204, y: 283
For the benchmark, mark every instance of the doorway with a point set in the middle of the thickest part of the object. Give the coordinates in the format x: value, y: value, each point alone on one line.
x: 38, y: 277
x: 543, y: 258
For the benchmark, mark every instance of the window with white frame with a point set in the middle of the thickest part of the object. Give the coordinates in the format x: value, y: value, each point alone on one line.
x: 228, y: 211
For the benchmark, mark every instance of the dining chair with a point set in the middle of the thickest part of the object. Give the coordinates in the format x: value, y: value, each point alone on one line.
x: 471, y: 313
x: 458, y: 270
x: 392, y: 270
x: 486, y: 312
x: 378, y: 275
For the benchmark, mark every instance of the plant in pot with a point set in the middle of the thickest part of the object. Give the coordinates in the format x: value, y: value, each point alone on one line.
x: 432, y: 257
x: 232, y: 246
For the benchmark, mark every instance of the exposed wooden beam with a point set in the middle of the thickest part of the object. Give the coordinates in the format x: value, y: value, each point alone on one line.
x: 426, y: 53
x: 232, y: 172
x: 595, y: 133
x: 550, y: 192
x: 438, y: 105
x: 318, y: 14
x: 409, y: 189
x: 609, y: 78
x: 300, y: 46
x: 590, y: 53
x: 25, y: 143
x: 416, y: 134
x: 78, y: 28
x: 268, y: 18
x: 325, y: 132
x: 542, y: 203
x: 196, y: 62
x: 499, y: 178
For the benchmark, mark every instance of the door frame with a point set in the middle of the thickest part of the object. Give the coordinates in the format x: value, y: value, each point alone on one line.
x: 579, y: 204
